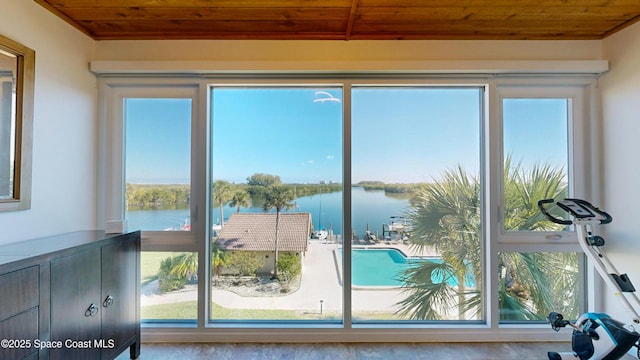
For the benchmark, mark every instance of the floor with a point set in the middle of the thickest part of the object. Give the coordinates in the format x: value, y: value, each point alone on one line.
x: 410, y: 351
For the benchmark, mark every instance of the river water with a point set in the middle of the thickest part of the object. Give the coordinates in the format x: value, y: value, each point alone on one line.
x: 370, y: 208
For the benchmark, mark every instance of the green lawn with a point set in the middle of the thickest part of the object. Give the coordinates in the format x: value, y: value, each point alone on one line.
x: 150, y: 264
x: 188, y: 311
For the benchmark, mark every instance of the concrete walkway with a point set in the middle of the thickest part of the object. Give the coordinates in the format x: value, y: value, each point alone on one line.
x: 320, y: 281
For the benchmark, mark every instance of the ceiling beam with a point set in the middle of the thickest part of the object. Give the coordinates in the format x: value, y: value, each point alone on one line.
x: 352, y: 18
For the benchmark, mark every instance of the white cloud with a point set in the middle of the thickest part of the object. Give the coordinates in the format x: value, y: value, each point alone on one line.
x: 325, y: 96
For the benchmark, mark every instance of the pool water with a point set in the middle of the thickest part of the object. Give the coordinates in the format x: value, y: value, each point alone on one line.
x: 384, y: 267
x: 379, y: 267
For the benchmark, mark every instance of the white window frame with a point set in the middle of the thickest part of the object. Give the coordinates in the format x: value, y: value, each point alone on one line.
x: 112, y: 89
x: 111, y: 179
x: 113, y: 156
x: 582, y: 146
x: 578, y: 125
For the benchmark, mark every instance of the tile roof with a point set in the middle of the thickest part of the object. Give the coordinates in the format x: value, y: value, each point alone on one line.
x: 256, y: 232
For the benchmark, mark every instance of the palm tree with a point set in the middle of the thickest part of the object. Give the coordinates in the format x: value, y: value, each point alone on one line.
x: 185, y: 265
x: 240, y: 198
x: 221, y: 196
x: 530, y: 280
x: 524, y: 188
x: 278, y: 197
x: 219, y: 258
x: 446, y: 217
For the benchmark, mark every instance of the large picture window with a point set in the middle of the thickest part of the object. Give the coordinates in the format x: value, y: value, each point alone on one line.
x: 276, y: 211
x: 344, y: 205
x: 415, y: 195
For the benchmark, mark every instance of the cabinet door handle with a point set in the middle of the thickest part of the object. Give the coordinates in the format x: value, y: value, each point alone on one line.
x: 91, y: 311
x: 108, y: 301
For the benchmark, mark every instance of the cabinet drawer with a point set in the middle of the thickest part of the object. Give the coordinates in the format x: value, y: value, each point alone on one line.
x: 22, y: 328
x: 23, y: 285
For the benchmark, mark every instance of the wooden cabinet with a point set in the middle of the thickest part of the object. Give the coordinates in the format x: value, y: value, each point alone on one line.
x: 120, y: 298
x: 19, y: 310
x: 75, y: 304
x: 79, y: 290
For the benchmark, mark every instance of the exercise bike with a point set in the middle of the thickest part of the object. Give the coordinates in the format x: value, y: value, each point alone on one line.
x: 596, y: 335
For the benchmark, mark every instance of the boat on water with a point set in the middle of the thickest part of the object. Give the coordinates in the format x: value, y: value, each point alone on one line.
x: 398, y: 224
x: 397, y: 229
x: 320, y: 234
x: 216, y: 229
x: 185, y: 226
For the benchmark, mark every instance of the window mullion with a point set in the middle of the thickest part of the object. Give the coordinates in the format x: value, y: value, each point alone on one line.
x: 200, y: 179
x: 346, y: 205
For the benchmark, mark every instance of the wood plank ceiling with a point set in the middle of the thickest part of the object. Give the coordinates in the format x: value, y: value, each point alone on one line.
x: 347, y: 19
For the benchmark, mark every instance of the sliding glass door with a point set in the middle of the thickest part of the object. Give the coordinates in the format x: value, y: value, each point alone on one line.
x: 276, y: 204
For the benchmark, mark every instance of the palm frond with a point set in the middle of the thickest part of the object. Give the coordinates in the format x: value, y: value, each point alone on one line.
x: 446, y: 216
x: 431, y: 295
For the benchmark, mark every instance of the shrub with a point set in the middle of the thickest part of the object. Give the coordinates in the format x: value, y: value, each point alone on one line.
x: 289, y: 266
x: 244, y: 263
x: 167, y: 279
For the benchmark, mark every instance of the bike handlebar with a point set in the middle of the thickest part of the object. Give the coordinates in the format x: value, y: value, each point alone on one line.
x: 556, y: 220
x: 579, y: 209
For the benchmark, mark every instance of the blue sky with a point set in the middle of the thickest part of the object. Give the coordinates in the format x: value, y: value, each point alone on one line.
x: 277, y: 131
x: 157, y: 141
x: 535, y: 131
x: 407, y: 135
x: 399, y: 135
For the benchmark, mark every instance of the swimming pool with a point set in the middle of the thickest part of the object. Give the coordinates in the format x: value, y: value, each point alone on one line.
x: 384, y: 267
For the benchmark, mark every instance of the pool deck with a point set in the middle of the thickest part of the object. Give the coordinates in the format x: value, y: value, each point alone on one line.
x: 320, y: 281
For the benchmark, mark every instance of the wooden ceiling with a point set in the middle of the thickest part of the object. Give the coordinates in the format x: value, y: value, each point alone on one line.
x: 347, y: 19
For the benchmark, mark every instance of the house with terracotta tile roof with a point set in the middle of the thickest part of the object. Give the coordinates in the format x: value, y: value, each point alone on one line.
x: 256, y: 232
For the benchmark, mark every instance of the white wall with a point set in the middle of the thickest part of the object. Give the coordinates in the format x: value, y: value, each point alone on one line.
x: 266, y: 51
x: 63, y: 189
x: 620, y: 90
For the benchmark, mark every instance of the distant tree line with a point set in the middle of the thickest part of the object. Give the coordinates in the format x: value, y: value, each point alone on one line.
x: 154, y: 196
x: 388, y: 188
x: 257, y: 183
x: 149, y: 196
x: 144, y: 196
